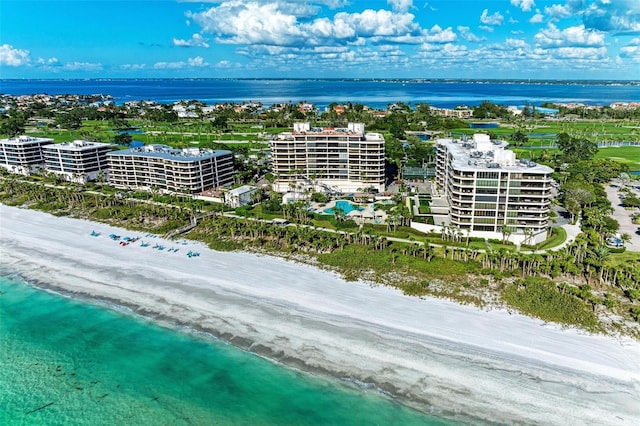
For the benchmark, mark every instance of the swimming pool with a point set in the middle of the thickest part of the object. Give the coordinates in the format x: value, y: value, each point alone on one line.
x: 345, y: 205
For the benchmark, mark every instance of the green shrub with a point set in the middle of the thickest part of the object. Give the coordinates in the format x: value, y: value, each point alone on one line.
x: 541, y: 298
x: 617, y: 249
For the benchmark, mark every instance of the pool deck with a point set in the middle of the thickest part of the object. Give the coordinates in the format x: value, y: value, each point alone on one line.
x: 367, y: 214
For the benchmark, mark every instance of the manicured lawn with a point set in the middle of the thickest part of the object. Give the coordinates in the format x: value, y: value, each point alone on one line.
x: 558, y: 236
x: 625, y: 154
x: 616, y: 259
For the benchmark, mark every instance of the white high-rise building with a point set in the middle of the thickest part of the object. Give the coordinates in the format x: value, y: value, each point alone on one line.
x: 78, y: 161
x: 23, y: 154
x: 490, y: 194
x: 190, y: 170
x: 328, y: 159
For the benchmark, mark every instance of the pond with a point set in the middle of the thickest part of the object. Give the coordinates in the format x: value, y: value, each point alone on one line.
x: 132, y: 132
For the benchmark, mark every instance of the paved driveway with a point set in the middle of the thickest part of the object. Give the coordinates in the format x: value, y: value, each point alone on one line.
x: 623, y: 216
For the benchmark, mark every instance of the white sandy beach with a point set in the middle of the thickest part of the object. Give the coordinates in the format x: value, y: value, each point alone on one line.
x: 474, y: 365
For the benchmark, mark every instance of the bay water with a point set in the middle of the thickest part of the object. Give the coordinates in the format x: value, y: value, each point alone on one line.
x: 322, y: 92
x: 73, y: 362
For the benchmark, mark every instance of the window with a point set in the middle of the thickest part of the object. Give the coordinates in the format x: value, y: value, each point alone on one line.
x: 488, y: 175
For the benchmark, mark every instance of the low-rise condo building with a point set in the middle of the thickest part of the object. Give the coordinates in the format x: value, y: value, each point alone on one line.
x: 77, y: 161
x: 23, y: 154
x: 240, y: 196
x: 490, y: 194
x: 189, y: 170
x: 337, y: 160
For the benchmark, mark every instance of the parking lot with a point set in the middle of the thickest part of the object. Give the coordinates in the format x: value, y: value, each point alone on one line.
x: 623, y: 216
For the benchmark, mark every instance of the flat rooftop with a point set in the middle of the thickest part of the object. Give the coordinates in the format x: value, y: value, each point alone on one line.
x: 77, y: 145
x: 22, y: 140
x: 328, y: 131
x: 481, y: 153
x: 169, y: 153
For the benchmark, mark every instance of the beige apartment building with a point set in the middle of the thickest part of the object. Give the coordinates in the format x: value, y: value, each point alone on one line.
x: 190, y: 170
x: 23, y: 154
x: 489, y: 193
x: 335, y: 160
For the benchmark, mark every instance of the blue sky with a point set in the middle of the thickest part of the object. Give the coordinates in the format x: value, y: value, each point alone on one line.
x: 526, y: 39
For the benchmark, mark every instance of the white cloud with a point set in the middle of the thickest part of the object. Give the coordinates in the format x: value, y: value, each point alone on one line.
x: 271, y: 24
x: 82, y: 66
x: 133, y: 67
x: 525, y: 5
x: 239, y: 22
x: 512, y: 43
x: 13, y: 57
x: 198, y: 61
x: 169, y: 65
x: 634, y: 42
x: 401, y: 5
x: 450, y: 49
x: 223, y: 64
x: 448, y: 52
x: 620, y: 16
x: 465, y: 33
x: 196, y: 41
x: 538, y: 18
x: 631, y: 50
x: 48, y: 62
x: 576, y: 36
x: 371, y: 23
x: 496, y: 19
x: 292, y: 36
x: 333, y: 4
x: 438, y: 35
x: 581, y: 53
x: 557, y: 11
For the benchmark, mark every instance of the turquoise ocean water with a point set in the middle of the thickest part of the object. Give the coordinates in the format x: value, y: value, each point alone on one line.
x: 70, y: 362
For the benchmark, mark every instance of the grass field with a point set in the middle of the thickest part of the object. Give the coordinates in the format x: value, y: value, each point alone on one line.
x: 625, y: 154
x: 545, y: 130
x: 541, y: 133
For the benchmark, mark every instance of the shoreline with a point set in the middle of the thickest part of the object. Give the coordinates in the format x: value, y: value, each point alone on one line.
x: 434, y: 355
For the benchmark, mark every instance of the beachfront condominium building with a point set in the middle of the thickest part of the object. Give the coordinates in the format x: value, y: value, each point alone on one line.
x: 189, y: 170
x: 77, y: 161
x: 328, y: 159
x: 489, y: 193
x: 23, y: 154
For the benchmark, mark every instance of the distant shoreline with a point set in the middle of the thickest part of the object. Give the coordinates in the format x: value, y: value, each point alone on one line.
x: 375, y: 93
x: 378, y: 80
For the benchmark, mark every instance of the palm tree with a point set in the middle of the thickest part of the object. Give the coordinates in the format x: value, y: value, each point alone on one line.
x: 625, y: 238
x: 596, y: 258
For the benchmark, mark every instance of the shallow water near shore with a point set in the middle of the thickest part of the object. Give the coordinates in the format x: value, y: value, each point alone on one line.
x: 68, y: 362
